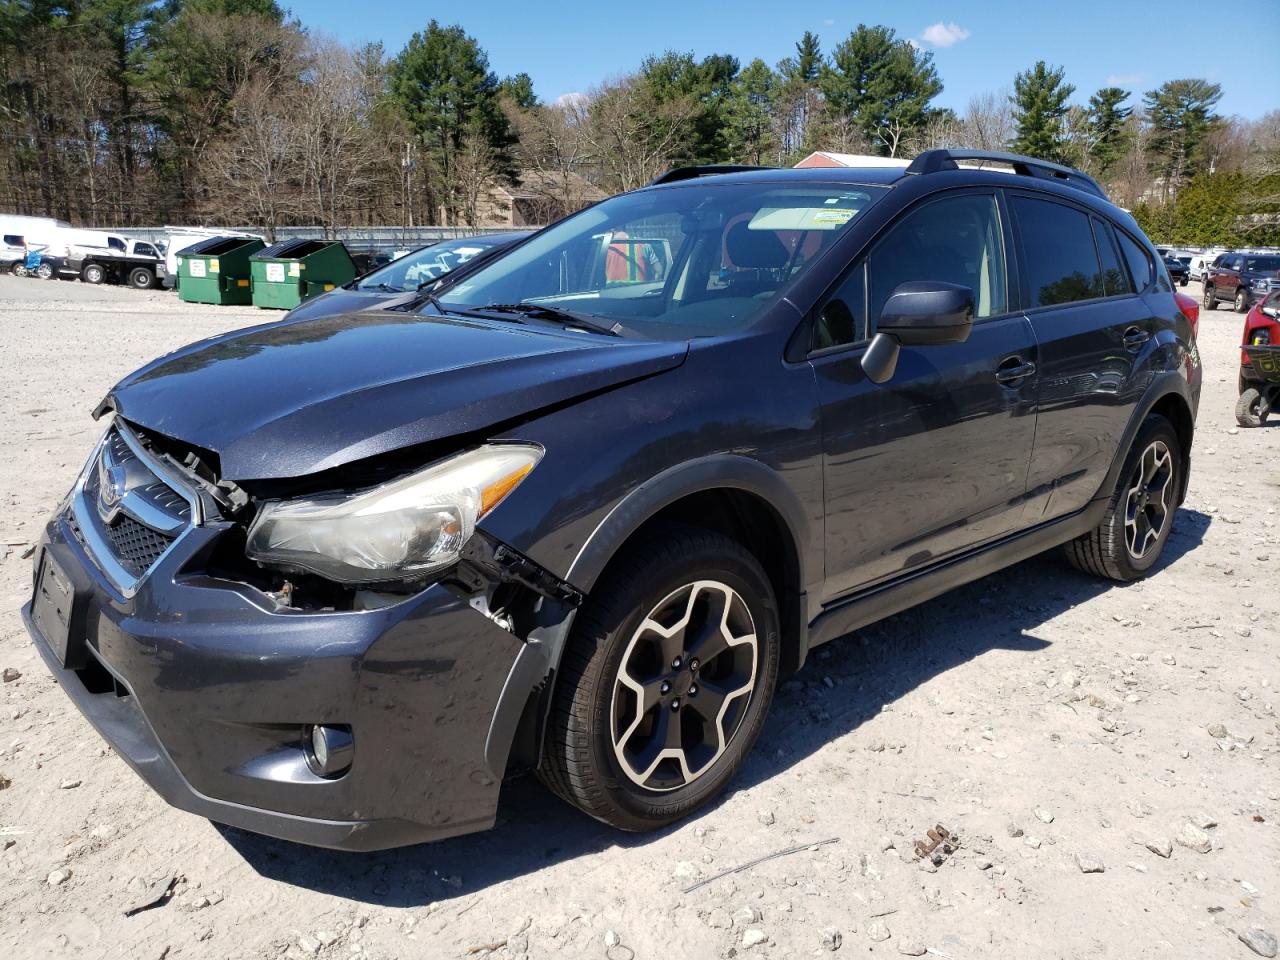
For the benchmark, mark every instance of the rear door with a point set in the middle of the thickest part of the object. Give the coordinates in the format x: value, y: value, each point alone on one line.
x: 935, y: 460
x: 1093, y: 331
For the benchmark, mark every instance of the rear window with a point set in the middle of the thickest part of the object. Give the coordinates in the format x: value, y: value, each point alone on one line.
x: 1058, y: 250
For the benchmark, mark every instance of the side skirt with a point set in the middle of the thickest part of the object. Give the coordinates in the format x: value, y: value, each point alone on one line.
x: 851, y: 613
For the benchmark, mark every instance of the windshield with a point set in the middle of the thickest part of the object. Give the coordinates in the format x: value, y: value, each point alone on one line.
x: 422, y: 266
x: 680, y: 261
x: 1262, y: 264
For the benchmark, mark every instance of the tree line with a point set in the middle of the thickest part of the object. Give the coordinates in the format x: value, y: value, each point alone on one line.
x: 119, y: 112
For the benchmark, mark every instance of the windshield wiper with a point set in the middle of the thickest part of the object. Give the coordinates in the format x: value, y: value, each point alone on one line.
x: 544, y: 312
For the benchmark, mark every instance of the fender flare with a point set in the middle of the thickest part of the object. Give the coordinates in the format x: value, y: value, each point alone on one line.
x: 526, y: 696
x: 1163, y: 385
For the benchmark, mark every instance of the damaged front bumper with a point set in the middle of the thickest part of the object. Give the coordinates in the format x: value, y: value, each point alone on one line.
x: 207, y: 689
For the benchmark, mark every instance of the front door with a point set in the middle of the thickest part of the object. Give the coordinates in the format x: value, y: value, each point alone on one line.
x: 933, y: 461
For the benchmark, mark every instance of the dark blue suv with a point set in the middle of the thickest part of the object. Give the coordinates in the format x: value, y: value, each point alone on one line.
x: 335, y: 579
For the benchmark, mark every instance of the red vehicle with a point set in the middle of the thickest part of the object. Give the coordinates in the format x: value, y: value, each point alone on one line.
x: 1260, y: 363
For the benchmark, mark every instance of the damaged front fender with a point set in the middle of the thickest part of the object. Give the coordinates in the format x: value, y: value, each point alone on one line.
x: 538, y: 607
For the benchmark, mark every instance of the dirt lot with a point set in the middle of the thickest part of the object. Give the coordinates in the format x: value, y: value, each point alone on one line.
x: 1053, y: 722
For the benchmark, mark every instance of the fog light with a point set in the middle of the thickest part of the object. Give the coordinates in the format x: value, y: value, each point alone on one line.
x: 331, y: 749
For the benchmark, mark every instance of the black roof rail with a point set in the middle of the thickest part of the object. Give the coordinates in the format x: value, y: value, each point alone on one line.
x: 676, y: 174
x: 933, y: 161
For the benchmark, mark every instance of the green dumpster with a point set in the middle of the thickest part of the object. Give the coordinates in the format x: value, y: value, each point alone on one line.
x: 287, y: 273
x: 217, y: 270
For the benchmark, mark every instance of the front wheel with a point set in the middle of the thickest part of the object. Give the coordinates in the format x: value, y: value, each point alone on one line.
x: 1210, y: 298
x: 1242, y: 301
x: 1253, y: 408
x: 1133, y: 532
x: 666, y: 681
x: 44, y: 271
x: 19, y: 269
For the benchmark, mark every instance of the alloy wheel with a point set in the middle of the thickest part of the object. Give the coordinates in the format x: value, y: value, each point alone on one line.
x: 1147, y: 510
x: 683, y: 685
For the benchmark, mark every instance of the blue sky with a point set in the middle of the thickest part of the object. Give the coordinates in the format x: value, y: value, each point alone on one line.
x: 570, y: 46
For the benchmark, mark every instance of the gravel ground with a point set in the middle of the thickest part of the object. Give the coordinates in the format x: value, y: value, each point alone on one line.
x: 1107, y: 756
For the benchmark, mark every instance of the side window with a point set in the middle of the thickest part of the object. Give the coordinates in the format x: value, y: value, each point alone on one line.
x: 956, y: 239
x: 1115, y: 279
x: 842, y: 318
x: 1058, y: 251
x: 145, y: 250
x: 115, y: 243
x: 1140, y: 265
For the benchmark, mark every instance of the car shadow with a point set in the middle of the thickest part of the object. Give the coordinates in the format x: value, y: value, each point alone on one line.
x: 827, y: 699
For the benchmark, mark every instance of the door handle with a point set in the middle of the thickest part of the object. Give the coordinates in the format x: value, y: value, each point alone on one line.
x: 1134, y: 338
x: 1013, y: 369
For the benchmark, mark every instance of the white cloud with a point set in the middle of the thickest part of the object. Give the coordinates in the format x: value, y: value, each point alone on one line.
x: 828, y: 22
x: 943, y: 34
x: 1123, y: 79
x: 570, y: 99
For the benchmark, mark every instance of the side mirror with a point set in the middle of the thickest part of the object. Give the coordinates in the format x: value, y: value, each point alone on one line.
x: 921, y: 313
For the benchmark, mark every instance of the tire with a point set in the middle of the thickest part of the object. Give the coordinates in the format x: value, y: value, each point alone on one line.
x: 1242, y: 300
x: 1108, y: 550
x: 681, y: 576
x: 1183, y: 282
x: 18, y: 269
x: 1252, y: 408
x: 93, y: 273
x: 44, y: 271
x: 141, y: 278
x: 1210, y: 298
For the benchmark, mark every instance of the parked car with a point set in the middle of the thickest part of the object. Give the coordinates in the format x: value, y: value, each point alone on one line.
x: 332, y: 579
x: 1259, y: 383
x: 13, y: 252
x: 405, y: 281
x: 1201, y: 264
x: 124, y: 260
x: 1241, y: 279
x: 1178, y: 271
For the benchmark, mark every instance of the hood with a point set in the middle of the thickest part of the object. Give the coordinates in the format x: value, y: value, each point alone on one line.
x: 292, y: 398
x: 343, y: 300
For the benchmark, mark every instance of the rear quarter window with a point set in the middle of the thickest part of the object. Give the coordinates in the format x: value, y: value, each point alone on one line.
x: 1061, y: 260
x: 1141, y: 267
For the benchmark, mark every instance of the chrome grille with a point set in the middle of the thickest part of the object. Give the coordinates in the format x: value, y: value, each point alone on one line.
x: 124, y: 513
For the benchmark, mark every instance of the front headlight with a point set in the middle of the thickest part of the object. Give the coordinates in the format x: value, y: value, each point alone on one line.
x: 402, y: 529
x: 1261, y: 284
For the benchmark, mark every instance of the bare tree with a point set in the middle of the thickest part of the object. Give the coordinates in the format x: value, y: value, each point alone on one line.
x: 475, y: 170
x: 987, y: 123
x: 333, y: 133
x: 633, y: 136
x: 552, y: 151
x: 259, y: 169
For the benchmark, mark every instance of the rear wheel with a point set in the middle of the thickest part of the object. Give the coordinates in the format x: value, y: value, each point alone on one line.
x: 1253, y: 408
x: 1133, y: 531
x: 44, y: 271
x: 93, y: 273
x: 666, y: 681
x: 1242, y: 300
x: 1210, y: 298
x: 142, y: 278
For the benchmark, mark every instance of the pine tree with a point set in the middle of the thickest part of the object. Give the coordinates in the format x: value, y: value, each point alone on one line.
x: 450, y: 96
x: 1108, y: 136
x: 1040, y: 107
x: 749, y: 115
x: 1181, y: 116
x: 883, y: 84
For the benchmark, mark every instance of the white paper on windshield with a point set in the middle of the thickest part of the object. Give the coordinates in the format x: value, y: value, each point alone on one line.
x: 801, y: 218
